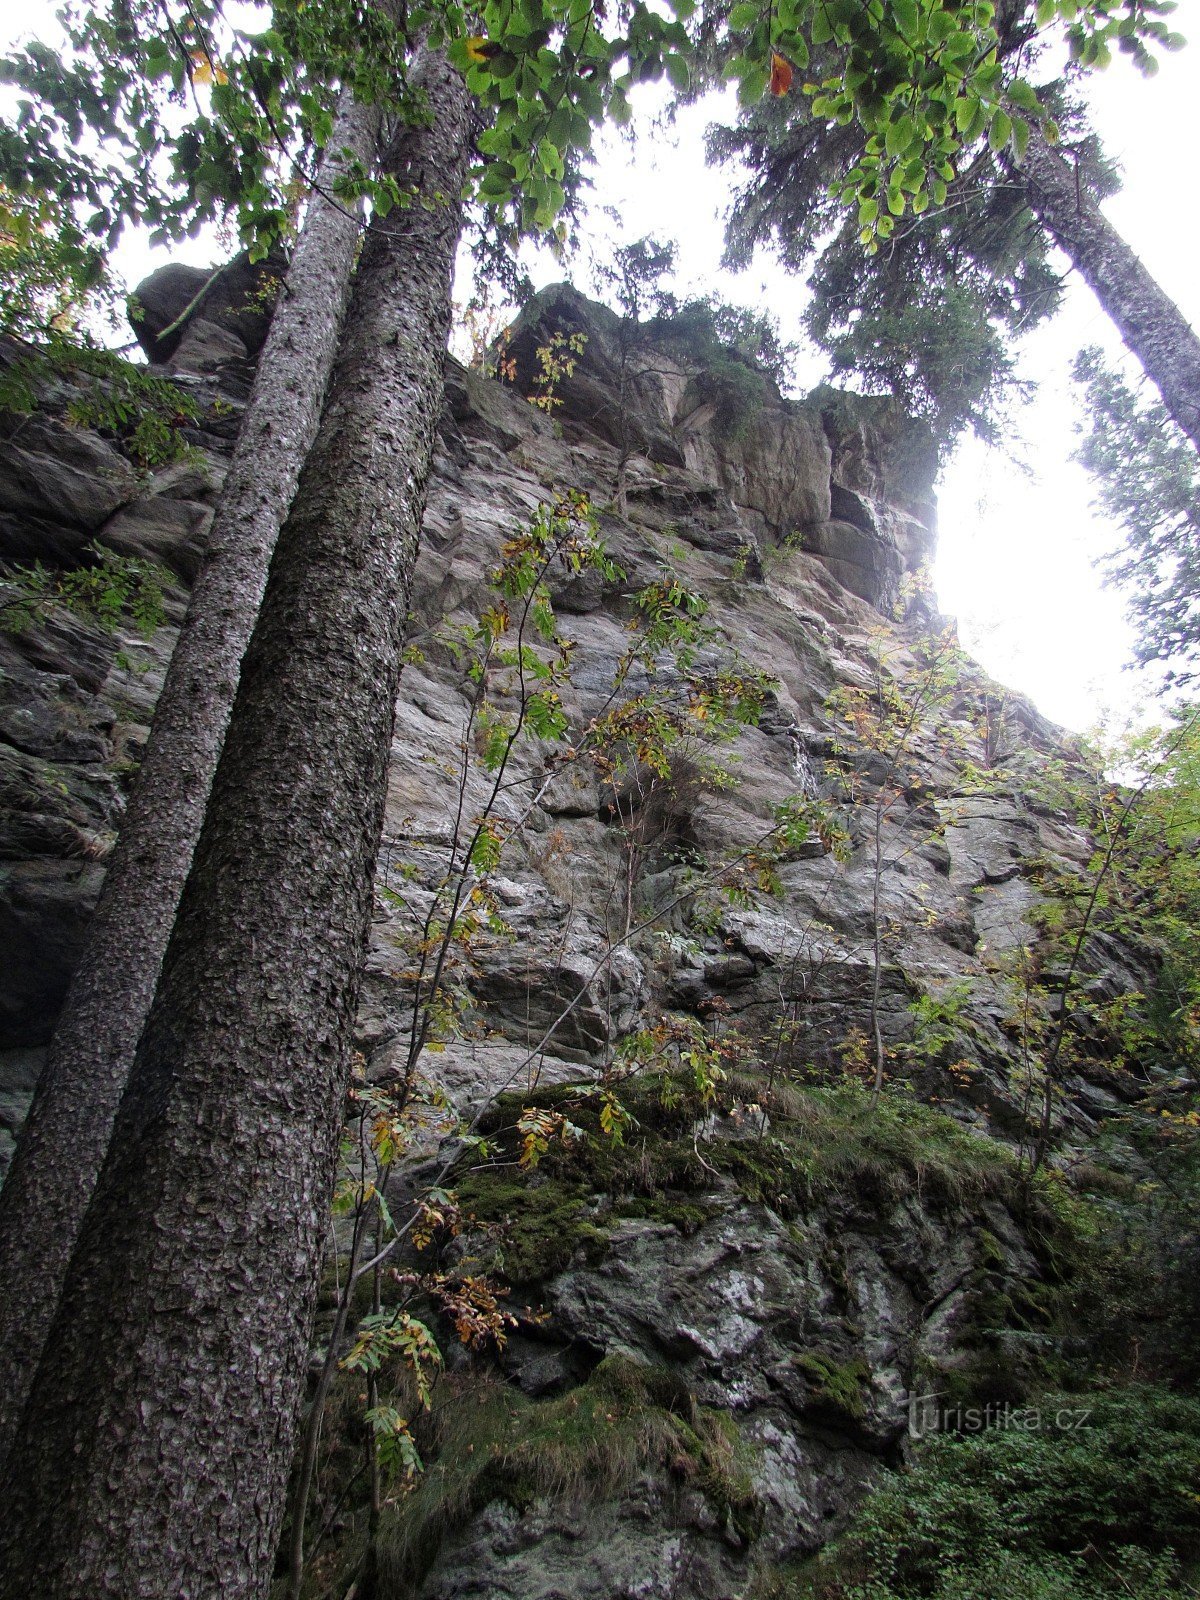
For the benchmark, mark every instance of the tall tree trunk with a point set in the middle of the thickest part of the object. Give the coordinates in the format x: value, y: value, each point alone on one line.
x: 153, y: 1455
x: 1149, y: 321
x: 66, y: 1134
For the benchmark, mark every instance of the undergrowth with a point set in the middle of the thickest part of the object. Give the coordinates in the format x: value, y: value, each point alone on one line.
x: 483, y: 1442
x: 1101, y: 1498
x: 677, y: 1156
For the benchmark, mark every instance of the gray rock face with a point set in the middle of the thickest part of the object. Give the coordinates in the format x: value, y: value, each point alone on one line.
x: 799, y: 528
x: 224, y: 315
x: 67, y: 478
x: 75, y: 699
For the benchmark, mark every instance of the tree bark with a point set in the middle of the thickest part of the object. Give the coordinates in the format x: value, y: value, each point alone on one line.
x: 153, y: 1455
x: 67, y: 1131
x: 1149, y: 321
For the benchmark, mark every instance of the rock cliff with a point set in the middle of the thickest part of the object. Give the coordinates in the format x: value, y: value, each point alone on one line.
x: 791, y: 1263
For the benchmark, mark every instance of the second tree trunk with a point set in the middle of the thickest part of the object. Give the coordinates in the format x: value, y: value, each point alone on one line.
x: 66, y: 1133
x: 1148, y: 320
x: 153, y: 1456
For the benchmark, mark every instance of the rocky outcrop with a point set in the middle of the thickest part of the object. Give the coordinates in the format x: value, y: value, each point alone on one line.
x: 192, y: 320
x: 800, y: 1266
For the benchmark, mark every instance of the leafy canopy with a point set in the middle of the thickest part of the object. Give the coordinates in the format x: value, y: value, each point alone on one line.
x: 931, y: 314
x: 167, y: 114
x: 1147, y: 479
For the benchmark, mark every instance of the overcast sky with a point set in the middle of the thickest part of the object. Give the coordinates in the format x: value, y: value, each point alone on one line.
x: 1018, y: 540
x: 1018, y: 537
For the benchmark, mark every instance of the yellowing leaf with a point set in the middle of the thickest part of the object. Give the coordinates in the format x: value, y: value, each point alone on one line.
x: 206, y: 70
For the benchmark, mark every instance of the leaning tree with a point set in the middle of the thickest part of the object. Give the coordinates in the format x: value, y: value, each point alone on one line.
x: 66, y: 1133
x: 152, y: 1454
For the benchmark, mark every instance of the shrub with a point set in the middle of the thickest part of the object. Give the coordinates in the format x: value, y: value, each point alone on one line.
x: 1102, y: 1508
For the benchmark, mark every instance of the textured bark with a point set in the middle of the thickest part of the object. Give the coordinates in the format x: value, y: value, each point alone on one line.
x: 153, y: 1455
x: 1149, y: 321
x: 66, y: 1134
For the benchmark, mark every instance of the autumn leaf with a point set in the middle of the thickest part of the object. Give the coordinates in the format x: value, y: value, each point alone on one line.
x: 206, y: 70
x: 781, y: 74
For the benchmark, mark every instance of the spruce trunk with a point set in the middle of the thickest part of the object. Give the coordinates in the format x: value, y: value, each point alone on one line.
x: 153, y: 1455
x: 66, y: 1134
x: 1151, y: 324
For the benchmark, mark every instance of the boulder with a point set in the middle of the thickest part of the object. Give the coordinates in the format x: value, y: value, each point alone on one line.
x: 158, y: 528
x: 221, y: 315
x: 68, y: 478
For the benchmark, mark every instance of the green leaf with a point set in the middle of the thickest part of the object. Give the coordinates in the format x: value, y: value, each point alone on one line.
x: 905, y: 15
x: 752, y: 87
x: 678, y: 72
x: 1022, y: 95
x: 899, y: 136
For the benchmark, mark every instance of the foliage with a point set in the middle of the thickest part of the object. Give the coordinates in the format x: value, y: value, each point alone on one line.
x: 110, y: 590
x: 931, y: 317
x: 143, y: 414
x: 939, y: 1019
x: 167, y: 115
x: 1139, y: 885
x: 721, y: 335
x: 1097, y: 1497
x: 46, y: 273
x: 488, y: 1442
x: 953, y: 94
x: 187, y: 117
x: 633, y: 277
x: 929, y: 340
x: 481, y: 336
x: 556, y: 362
x: 1147, y: 480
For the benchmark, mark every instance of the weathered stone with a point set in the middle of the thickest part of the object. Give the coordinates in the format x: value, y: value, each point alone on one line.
x: 206, y: 347
x: 66, y: 476
x: 806, y: 1333
x: 236, y: 302
x: 864, y: 562
x: 639, y: 1547
x: 158, y: 528
x: 51, y: 717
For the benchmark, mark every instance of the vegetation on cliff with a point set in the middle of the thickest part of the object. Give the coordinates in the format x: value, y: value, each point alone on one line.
x: 855, y: 1239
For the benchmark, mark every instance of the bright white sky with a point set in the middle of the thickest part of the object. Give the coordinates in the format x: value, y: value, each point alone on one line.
x: 1018, y: 540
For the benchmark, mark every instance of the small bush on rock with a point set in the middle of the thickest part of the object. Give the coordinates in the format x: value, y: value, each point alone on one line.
x: 1109, y: 1505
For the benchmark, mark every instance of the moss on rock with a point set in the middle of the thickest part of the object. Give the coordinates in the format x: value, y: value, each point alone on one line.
x: 486, y: 1442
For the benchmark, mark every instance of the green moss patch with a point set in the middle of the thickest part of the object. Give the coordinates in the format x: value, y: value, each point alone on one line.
x: 838, y: 1385
x: 816, y: 1143
x: 486, y: 1442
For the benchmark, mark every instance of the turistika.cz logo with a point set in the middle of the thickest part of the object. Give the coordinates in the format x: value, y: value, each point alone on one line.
x: 929, y: 1413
